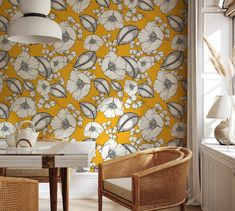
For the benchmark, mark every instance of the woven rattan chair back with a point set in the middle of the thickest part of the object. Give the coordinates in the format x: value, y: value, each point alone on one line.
x: 159, y: 178
x: 17, y: 194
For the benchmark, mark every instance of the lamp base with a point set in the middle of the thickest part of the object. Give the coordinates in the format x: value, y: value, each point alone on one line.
x: 222, y: 133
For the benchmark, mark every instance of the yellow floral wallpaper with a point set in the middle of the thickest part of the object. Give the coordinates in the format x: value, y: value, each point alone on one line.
x: 118, y: 77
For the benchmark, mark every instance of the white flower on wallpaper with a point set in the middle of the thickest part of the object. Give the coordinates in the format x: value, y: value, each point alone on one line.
x: 179, y: 130
x: 131, y: 87
x: 145, y: 63
x: 58, y: 62
x: 166, y: 85
x: 111, y: 20
x: 5, y: 44
x: 166, y: 5
x: 43, y: 88
x: 114, y: 66
x: 79, y: 5
x: 93, y: 42
x: 93, y: 130
x: 179, y: 43
x: 78, y: 85
x: 111, y: 107
x: 68, y: 38
x: 6, y: 128
x: 24, y: 107
x: 151, y: 37
x: 26, y: 66
x: 131, y: 3
x: 151, y: 125
x: 112, y: 149
x: 63, y: 124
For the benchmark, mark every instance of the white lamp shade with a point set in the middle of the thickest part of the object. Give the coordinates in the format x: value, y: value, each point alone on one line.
x: 221, y: 109
x: 34, y: 27
x: 31, y: 30
x: 35, y: 6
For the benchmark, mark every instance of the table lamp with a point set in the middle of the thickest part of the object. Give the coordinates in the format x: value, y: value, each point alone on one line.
x: 222, y: 109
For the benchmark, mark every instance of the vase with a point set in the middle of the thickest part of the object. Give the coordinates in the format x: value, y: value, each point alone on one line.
x: 223, y: 133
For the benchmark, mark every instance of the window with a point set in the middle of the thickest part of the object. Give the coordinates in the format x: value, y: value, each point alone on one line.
x: 219, y: 30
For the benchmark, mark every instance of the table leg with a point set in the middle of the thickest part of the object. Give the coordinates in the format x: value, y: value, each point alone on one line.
x: 65, y: 188
x: 53, y: 177
x: 3, y: 172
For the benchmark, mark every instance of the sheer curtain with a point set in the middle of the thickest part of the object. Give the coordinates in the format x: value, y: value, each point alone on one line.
x: 194, y: 119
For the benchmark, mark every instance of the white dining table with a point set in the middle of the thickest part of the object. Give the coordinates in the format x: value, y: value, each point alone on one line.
x: 53, y: 156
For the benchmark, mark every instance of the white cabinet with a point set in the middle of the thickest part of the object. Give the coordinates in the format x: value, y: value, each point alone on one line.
x: 218, y: 177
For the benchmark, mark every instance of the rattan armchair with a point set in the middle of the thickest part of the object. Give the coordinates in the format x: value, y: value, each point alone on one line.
x: 148, y: 180
x: 17, y: 194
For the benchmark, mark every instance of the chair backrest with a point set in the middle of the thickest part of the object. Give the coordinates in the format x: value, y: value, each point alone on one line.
x: 167, y: 155
x: 18, y: 194
x: 130, y: 165
x: 170, y: 184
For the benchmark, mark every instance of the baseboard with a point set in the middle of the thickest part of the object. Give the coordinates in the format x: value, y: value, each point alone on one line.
x: 82, y: 185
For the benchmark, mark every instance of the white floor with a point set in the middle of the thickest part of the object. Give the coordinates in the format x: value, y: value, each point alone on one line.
x: 92, y: 205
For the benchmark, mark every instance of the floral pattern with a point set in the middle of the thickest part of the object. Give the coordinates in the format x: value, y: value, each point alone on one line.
x: 114, y: 66
x: 93, y: 43
x: 78, y: 85
x: 151, y: 125
x: 24, y: 107
x: 151, y: 37
x: 111, y: 107
x: 117, y: 77
x: 26, y: 66
x: 93, y: 130
x: 111, y: 20
x: 63, y: 124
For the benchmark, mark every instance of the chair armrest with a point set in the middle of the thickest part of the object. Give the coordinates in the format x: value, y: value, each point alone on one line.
x: 17, y: 180
x: 162, y: 185
x: 125, y: 166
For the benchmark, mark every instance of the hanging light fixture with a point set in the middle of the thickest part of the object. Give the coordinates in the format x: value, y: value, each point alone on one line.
x: 34, y: 27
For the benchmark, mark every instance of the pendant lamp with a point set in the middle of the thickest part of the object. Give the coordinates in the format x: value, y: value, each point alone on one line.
x: 34, y: 26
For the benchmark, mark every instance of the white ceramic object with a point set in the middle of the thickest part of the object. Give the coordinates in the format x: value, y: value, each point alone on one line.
x: 26, y: 137
x: 34, y: 27
x: 10, y: 140
x: 222, y: 134
x: 35, y: 6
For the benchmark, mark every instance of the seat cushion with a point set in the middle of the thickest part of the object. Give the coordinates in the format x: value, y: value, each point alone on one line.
x: 120, y: 186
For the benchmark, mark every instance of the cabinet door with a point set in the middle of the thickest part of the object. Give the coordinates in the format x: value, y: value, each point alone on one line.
x: 223, y: 184
x: 208, y: 181
x: 217, y: 185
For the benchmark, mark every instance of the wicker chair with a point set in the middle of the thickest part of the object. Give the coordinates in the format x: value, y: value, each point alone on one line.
x: 148, y: 180
x: 17, y: 194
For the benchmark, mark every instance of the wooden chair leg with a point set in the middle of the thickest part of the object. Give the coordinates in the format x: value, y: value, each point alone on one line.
x: 53, y: 179
x: 65, y: 188
x: 100, y: 201
x: 182, y: 207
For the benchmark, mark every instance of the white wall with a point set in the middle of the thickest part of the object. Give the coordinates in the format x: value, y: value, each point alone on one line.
x: 82, y: 185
